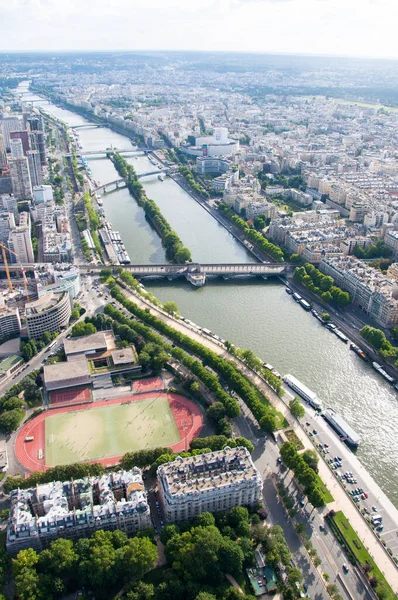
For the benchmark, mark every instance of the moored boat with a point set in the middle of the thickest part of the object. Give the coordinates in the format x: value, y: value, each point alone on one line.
x: 358, y: 351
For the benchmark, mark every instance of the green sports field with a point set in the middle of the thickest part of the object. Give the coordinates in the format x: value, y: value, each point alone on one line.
x: 110, y: 430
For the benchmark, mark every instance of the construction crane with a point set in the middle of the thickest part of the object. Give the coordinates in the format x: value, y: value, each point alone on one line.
x: 25, y: 281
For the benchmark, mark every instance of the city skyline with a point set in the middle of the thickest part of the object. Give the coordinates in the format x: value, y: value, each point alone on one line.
x: 309, y: 27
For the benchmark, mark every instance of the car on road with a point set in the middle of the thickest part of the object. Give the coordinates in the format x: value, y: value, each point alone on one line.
x: 345, y: 568
x: 314, y: 432
x: 374, y: 508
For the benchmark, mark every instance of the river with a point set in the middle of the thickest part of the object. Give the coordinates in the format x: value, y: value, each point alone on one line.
x: 259, y: 316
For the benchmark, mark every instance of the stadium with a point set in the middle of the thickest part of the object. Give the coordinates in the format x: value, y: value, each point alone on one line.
x: 76, y: 429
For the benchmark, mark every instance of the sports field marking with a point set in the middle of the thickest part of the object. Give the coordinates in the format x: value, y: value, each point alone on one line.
x: 111, y: 430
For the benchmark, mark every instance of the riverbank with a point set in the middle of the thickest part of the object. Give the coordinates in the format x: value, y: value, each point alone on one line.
x: 342, y: 502
x: 257, y: 315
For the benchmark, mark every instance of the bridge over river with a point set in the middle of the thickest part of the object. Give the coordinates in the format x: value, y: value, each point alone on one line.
x: 111, y: 186
x: 197, y: 273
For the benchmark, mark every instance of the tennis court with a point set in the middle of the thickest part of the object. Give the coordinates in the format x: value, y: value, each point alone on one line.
x: 112, y: 430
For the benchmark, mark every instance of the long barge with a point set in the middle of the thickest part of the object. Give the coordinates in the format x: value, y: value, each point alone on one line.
x: 342, y: 427
x: 359, y: 352
x: 307, y: 394
x: 382, y: 372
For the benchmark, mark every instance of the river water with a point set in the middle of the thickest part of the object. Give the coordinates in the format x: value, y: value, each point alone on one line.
x: 259, y: 316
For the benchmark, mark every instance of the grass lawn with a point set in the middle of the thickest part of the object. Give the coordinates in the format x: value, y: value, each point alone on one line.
x: 327, y: 496
x: 294, y: 439
x: 108, y: 431
x: 361, y: 554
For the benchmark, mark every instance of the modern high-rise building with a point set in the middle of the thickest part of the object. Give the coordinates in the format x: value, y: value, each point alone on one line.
x: 211, y: 482
x: 36, y: 176
x: 8, y: 203
x: 16, y: 148
x: 7, y: 224
x: 3, y: 156
x: 36, y: 142
x: 20, y: 178
x: 20, y: 241
x: 23, y: 136
x: 10, y: 123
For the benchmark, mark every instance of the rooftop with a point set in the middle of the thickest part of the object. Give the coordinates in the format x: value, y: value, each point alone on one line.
x: 200, y: 473
x: 44, y: 303
x: 86, y: 343
x: 64, y: 371
x: 123, y: 357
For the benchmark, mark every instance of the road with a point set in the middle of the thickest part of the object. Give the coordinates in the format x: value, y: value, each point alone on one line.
x: 265, y: 456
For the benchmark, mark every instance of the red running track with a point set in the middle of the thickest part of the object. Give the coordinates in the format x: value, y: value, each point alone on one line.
x: 187, y: 415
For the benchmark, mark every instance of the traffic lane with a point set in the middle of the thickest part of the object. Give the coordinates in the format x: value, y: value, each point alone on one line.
x: 277, y: 516
x: 349, y: 463
x: 329, y: 551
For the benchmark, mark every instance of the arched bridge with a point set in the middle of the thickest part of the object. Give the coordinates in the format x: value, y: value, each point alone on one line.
x: 88, y: 126
x: 113, y: 150
x: 120, y: 183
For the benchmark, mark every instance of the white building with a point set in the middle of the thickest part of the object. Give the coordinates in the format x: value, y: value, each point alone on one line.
x: 211, y: 482
x: 10, y: 123
x: 75, y: 509
x: 50, y: 313
x: 43, y: 193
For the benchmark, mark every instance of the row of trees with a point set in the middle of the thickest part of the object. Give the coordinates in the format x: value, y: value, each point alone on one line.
x: 378, y: 340
x: 321, y: 285
x: 195, y: 366
x: 93, y: 217
x: 254, y: 236
x: 304, y: 472
x: 258, y: 404
x: 190, y: 179
x: 176, y: 251
x: 376, y: 250
x: 30, y: 348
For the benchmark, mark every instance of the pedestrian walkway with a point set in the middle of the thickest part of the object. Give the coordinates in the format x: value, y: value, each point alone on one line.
x: 342, y: 502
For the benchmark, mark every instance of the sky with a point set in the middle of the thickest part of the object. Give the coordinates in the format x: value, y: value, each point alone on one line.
x: 332, y: 27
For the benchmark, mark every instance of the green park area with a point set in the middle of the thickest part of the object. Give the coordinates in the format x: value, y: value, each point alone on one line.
x: 343, y: 529
x: 110, y: 430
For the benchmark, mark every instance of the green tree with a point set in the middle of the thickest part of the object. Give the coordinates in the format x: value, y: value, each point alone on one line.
x: 10, y: 420
x: 139, y: 556
x: 82, y: 328
x: 141, y: 591
x: 311, y: 458
x: 230, y: 557
x: 268, y: 423
x: 296, y: 408
x: 294, y: 576
x: 171, y: 308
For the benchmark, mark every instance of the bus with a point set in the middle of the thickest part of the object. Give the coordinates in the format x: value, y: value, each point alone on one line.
x: 51, y: 345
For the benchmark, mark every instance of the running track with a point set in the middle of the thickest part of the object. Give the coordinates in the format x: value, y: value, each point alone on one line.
x: 27, y: 452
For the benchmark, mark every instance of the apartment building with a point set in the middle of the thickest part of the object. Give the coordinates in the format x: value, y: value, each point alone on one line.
x: 211, y: 482
x: 20, y: 241
x: 20, y: 178
x: 375, y: 293
x: 75, y: 509
x: 10, y: 322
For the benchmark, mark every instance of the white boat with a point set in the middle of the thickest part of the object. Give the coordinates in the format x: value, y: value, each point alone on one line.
x: 307, y: 394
